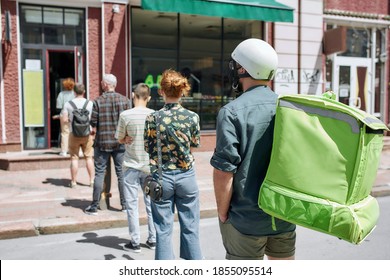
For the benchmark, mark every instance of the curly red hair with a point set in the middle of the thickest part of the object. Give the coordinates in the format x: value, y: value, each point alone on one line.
x: 68, y: 84
x: 174, y: 84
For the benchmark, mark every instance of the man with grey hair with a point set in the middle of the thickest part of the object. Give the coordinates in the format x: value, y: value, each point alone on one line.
x: 104, y: 120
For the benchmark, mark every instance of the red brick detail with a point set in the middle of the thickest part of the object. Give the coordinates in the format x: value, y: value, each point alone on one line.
x: 94, y: 52
x: 362, y: 6
x: 115, y: 45
x: 11, y: 77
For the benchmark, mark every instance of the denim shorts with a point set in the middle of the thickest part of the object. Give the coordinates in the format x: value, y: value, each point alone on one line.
x: 240, y: 246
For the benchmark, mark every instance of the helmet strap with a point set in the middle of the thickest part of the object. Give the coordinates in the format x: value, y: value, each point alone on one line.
x: 233, y: 74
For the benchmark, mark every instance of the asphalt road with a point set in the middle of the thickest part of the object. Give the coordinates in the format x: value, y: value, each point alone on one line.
x: 107, y: 244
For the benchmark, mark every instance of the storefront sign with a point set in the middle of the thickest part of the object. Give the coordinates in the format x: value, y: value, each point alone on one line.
x: 150, y: 81
x: 33, y: 98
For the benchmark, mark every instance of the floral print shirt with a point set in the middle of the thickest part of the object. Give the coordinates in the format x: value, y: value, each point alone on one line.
x: 179, y: 130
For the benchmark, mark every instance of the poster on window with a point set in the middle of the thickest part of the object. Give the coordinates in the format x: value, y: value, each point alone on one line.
x: 33, y: 98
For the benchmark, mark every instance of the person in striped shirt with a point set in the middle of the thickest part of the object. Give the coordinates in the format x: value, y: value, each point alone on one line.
x: 130, y: 131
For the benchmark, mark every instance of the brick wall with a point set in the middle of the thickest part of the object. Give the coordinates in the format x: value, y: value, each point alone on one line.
x: 363, y: 6
x: 11, y: 78
x: 115, y: 45
x: 94, y: 52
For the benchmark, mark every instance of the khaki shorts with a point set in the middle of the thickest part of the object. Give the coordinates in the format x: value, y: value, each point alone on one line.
x: 85, y: 143
x: 239, y: 246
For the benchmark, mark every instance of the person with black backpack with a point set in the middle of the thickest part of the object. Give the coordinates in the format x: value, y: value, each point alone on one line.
x: 78, y: 113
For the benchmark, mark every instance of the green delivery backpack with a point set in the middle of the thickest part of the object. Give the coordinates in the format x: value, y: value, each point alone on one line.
x: 323, y: 164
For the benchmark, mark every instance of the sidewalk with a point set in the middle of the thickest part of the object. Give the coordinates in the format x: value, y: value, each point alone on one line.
x: 38, y: 201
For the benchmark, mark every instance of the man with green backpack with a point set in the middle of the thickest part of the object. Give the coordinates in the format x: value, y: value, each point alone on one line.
x: 245, y: 130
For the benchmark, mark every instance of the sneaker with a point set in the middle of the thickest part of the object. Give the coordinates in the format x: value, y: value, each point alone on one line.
x: 90, y: 210
x: 72, y: 185
x: 150, y: 245
x: 123, y: 209
x: 63, y: 154
x: 131, y: 247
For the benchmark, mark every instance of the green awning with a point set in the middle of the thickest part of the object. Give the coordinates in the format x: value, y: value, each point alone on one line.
x: 264, y: 10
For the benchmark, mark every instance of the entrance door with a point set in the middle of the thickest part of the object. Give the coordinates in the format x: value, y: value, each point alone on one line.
x: 60, y: 65
x: 352, y: 82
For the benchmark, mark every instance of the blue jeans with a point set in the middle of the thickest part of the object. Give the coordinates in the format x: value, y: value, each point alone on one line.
x: 180, y: 190
x: 101, y: 159
x: 133, y: 182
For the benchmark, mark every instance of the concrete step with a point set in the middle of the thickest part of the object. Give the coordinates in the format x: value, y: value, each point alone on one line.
x: 35, y: 160
x: 50, y: 159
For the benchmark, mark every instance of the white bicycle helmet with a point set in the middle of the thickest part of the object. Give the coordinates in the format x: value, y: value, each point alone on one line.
x: 257, y: 57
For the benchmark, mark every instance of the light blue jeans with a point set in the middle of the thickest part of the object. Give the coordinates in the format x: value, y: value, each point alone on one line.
x: 133, y: 182
x: 180, y: 189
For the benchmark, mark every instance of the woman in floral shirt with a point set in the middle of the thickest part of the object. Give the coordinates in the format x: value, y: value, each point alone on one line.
x: 179, y: 131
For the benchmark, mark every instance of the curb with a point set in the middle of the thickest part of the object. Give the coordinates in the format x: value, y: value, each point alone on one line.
x: 70, y: 225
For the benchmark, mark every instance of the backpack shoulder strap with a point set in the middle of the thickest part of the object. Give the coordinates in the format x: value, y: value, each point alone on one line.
x: 86, y: 104
x: 73, y: 105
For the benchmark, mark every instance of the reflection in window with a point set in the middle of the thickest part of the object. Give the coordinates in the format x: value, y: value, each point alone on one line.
x: 154, y: 47
x: 198, y: 46
x: 31, y: 14
x: 53, y: 16
x: 53, y: 35
x: 31, y: 34
x: 344, y: 84
x: 72, y: 17
x: 357, y: 43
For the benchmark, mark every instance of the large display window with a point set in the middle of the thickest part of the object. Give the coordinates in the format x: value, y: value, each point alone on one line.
x: 197, y: 46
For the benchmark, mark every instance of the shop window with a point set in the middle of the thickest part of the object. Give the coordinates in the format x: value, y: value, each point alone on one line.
x: 198, y: 46
x: 32, y: 34
x: 53, y: 35
x: 72, y: 17
x: 31, y: 14
x: 57, y: 26
x: 53, y: 16
x: 357, y: 43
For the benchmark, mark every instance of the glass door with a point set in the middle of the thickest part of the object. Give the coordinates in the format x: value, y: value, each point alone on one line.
x: 352, y: 83
x: 78, y: 65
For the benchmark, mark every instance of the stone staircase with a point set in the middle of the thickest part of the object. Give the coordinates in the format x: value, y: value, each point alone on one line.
x: 35, y: 160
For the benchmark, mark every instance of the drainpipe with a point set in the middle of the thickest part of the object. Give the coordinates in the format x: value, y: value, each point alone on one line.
x: 373, y: 59
x: 127, y: 29
x: 386, y: 80
x: 103, y: 44
x: 2, y: 98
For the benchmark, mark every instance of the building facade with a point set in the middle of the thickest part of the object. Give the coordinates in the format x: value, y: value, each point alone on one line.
x: 46, y: 41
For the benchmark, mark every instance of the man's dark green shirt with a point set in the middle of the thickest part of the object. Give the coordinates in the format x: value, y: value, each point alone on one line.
x: 245, y: 129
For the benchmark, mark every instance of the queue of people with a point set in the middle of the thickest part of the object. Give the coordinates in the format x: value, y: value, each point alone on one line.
x: 159, y: 143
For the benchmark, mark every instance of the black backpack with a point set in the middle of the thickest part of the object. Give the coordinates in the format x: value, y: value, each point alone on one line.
x: 80, y: 122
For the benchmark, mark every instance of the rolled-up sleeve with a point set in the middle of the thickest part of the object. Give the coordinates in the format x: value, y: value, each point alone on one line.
x: 226, y: 155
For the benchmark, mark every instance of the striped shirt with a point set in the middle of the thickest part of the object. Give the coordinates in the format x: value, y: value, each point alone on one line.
x: 132, y: 123
x: 105, y: 116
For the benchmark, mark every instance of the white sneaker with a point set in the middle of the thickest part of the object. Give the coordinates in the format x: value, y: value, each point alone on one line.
x: 63, y: 154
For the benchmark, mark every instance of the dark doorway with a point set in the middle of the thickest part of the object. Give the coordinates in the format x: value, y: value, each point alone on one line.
x: 61, y: 66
